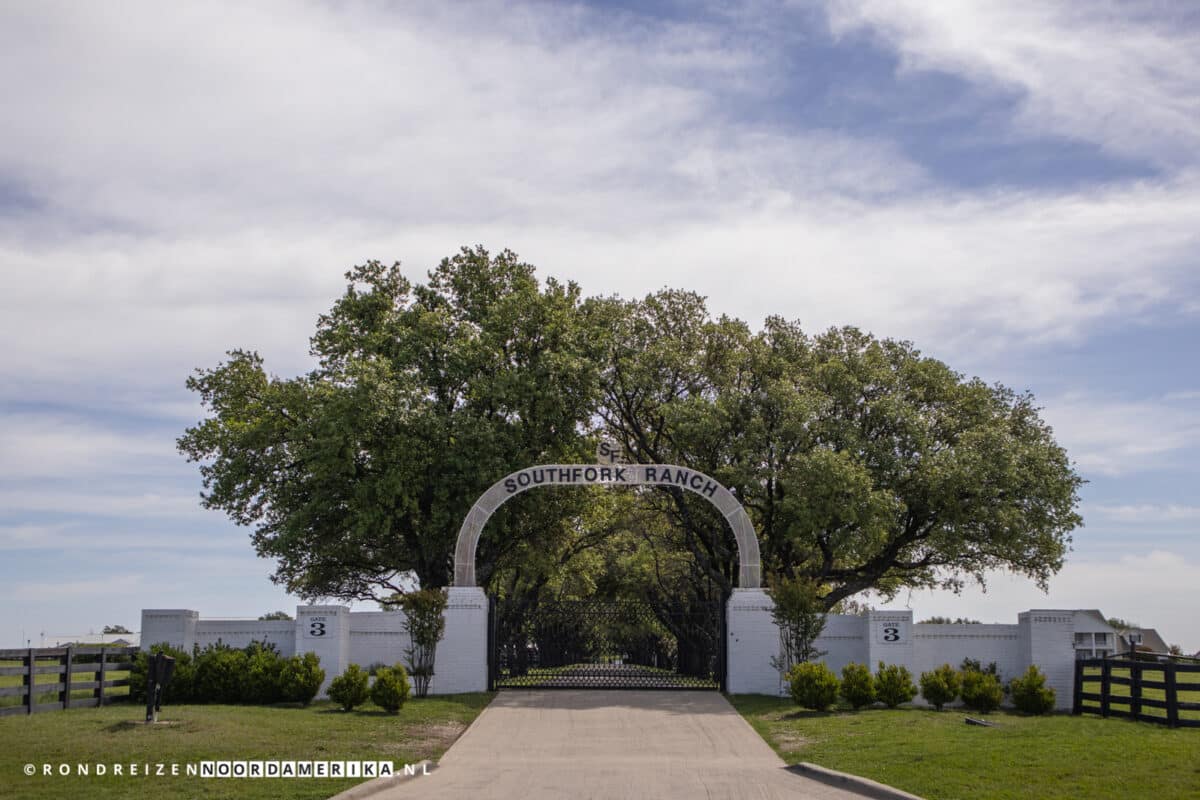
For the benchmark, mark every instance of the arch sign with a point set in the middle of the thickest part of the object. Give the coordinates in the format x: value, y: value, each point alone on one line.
x: 610, y: 474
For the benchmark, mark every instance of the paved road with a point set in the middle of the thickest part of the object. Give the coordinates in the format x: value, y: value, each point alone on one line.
x: 578, y: 744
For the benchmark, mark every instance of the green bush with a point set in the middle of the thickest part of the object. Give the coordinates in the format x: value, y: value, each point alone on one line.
x: 894, y: 685
x: 350, y: 688
x: 425, y: 624
x: 858, y: 687
x: 219, y: 671
x: 1031, y: 694
x: 182, y: 686
x: 301, y: 678
x: 981, y: 691
x: 261, y: 680
x: 813, y: 685
x: 940, y: 686
x: 391, y: 688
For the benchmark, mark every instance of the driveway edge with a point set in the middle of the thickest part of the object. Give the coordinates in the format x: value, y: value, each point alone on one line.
x: 843, y: 780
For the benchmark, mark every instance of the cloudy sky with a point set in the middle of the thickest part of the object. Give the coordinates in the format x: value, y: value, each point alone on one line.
x: 1014, y: 187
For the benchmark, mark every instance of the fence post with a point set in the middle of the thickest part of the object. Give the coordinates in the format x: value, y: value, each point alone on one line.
x: 30, y: 697
x: 1105, y: 686
x: 1172, y: 695
x: 1135, y: 688
x: 102, y: 675
x: 1077, y: 695
x: 65, y: 697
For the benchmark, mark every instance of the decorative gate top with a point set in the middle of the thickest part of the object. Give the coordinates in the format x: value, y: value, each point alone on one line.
x: 608, y: 474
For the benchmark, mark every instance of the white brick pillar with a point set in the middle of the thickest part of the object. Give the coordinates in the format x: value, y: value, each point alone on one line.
x: 890, y: 639
x: 1048, y: 641
x: 461, y: 659
x: 752, y: 641
x: 175, y: 626
x: 325, y: 630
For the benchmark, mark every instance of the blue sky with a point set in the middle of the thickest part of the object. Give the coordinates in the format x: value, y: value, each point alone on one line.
x: 1014, y: 187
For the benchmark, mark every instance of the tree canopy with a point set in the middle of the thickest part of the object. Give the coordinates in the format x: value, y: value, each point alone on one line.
x: 864, y: 464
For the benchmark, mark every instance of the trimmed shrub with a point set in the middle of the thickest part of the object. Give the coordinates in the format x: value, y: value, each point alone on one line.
x: 301, y: 678
x: 981, y: 691
x: 813, y: 685
x: 391, y: 688
x: 940, y: 686
x: 181, y: 689
x: 975, y: 665
x: 858, y: 687
x: 894, y: 685
x: 260, y: 681
x: 219, y: 672
x: 1031, y: 694
x: 350, y: 688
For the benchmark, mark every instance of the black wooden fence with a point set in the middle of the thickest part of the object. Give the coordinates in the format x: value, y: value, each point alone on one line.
x: 75, y: 669
x: 1147, y: 688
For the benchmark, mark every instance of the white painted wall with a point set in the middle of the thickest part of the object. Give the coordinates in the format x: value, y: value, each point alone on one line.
x: 340, y: 637
x: 241, y: 632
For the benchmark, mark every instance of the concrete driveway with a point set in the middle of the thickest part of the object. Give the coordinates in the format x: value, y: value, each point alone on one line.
x: 581, y: 744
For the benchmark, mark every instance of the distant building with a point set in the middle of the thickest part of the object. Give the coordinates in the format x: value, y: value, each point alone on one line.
x: 1094, y: 637
x: 1145, y: 640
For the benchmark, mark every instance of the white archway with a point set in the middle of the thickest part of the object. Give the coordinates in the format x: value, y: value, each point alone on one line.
x: 749, y: 570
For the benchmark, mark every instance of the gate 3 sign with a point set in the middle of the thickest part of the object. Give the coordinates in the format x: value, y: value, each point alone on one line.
x: 893, y: 630
x: 660, y: 475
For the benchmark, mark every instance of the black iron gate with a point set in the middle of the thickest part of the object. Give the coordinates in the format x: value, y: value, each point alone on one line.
x: 595, y: 644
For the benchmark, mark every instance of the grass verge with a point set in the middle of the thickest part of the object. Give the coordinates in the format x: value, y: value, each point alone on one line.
x: 114, y: 734
x: 939, y: 757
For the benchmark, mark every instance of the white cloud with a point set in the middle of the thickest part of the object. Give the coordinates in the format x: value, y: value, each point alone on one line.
x: 1096, y: 71
x: 201, y: 193
x: 90, y: 536
x: 1148, y: 513
x: 1117, y: 437
x: 48, y: 445
x: 129, y: 504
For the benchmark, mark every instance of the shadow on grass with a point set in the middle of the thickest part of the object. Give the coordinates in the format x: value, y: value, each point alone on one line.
x: 124, y: 725
x: 806, y: 713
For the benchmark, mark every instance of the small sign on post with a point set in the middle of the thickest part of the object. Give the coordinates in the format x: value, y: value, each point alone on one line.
x: 159, y: 669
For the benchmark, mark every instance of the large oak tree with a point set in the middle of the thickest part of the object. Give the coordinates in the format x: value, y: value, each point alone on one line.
x: 865, y: 465
x: 424, y: 394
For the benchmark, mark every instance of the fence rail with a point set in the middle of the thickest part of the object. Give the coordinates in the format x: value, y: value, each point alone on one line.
x: 1137, y: 684
x: 74, y: 669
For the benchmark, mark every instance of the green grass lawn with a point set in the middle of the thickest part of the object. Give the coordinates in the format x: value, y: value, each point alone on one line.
x: 423, y: 729
x: 939, y: 757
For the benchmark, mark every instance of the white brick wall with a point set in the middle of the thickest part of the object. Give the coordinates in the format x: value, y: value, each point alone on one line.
x: 1052, y: 648
x: 845, y: 641
x: 753, y: 640
x: 378, y: 637
x: 1042, y: 637
x: 241, y: 632
x: 461, y: 658
x: 175, y: 626
x: 325, y: 630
